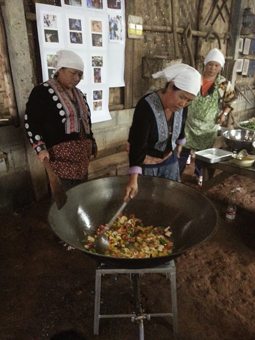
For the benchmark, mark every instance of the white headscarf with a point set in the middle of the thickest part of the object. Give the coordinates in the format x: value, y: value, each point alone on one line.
x: 67, y: 58
x: 215, y: 55
x: 184, y: 77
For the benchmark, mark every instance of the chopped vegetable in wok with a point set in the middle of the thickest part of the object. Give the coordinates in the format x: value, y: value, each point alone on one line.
x: 129, y: 238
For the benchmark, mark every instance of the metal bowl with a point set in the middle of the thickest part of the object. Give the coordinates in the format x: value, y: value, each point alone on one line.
x: 244, y: 163
x: 238, y: 139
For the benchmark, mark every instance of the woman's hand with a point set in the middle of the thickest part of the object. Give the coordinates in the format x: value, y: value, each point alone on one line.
x: 222, y: 117
x: 43, y: 154
x: 178, y: 150
x: 132, y: 187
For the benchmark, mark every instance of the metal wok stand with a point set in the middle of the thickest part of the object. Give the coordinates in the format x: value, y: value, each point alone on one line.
x: 139, y: 316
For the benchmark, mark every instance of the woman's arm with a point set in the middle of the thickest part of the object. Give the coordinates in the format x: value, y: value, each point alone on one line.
x: 139, y: 133
x: 138, y: 145
x: 227, y: 97
x: 35, y: 110
x: 132, y: 186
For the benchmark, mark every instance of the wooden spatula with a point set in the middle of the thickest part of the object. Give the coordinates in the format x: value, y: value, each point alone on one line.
x: 57, y: 189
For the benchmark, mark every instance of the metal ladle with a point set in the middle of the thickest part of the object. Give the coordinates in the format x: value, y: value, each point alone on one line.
x: 102, y: 242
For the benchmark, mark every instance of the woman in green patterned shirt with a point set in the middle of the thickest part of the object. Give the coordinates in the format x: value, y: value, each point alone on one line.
x: 210, y: 108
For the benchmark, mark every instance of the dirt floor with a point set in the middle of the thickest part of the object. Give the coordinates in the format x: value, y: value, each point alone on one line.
x: 47, y: 289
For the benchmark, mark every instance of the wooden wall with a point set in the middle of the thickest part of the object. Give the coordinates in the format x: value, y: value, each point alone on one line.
x: 8, y: 109
x: 182, y: 29
x: 172, y: 30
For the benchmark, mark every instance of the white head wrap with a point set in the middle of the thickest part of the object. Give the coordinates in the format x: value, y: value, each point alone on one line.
x: 215, y: 55
x: 67, y: 58
x: 184, y: 77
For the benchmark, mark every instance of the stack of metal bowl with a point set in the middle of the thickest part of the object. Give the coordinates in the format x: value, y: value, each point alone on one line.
x: 238, y: 139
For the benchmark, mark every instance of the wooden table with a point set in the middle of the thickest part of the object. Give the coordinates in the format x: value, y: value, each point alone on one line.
x: 227, y: 169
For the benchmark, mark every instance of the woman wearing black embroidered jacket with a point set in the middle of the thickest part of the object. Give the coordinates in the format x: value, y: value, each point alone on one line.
x: 156, y: 135
x: 57, y: 121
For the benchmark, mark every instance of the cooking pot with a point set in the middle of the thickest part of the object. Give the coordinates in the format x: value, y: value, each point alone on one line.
x: 160, y: 202
x: 238, y: 139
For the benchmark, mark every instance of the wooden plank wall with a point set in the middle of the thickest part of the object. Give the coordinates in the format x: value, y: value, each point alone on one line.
x: 8, y: 109
x: 172, y: 30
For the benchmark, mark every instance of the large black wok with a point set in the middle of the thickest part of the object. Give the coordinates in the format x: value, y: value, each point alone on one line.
x: 160, y: 202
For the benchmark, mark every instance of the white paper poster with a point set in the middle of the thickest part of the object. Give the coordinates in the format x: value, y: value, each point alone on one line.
x: 95, y: 30
x: 117, y: 34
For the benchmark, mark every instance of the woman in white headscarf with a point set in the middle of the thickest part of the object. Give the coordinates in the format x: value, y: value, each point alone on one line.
x: 210, y: 108
x: 157, y: 131
x: 57, y: 121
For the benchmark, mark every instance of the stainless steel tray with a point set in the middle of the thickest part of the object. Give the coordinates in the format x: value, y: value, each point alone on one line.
x: 213, y: 155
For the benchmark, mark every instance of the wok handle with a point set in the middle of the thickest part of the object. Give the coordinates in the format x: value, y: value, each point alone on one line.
x: 57, y: 189
x: 50, y: 172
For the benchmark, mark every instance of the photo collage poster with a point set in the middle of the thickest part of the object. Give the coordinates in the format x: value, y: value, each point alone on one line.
x: 90, y: 28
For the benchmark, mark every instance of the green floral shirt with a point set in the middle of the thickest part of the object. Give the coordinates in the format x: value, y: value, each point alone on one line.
x: 201, y: 123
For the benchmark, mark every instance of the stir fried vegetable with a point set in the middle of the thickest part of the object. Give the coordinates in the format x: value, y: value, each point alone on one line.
x: 129, y: 238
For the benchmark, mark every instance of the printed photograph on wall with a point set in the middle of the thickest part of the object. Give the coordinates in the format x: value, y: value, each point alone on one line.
x: 97, y: 40
x: 98, y: 105
x: 114, y: 4
x: 76, y: 37
x: 50, y: 60
x: 50, y: 21
x: 51, y: 72
x: 96, y: 26
x: 97, y: 61
x: 74, y: 24
x: 51, y: 36
x: 97, y: 94
x: 95, y: 4
x: 115, y: 28
x: 97, y: 75
x: 73, y: 2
